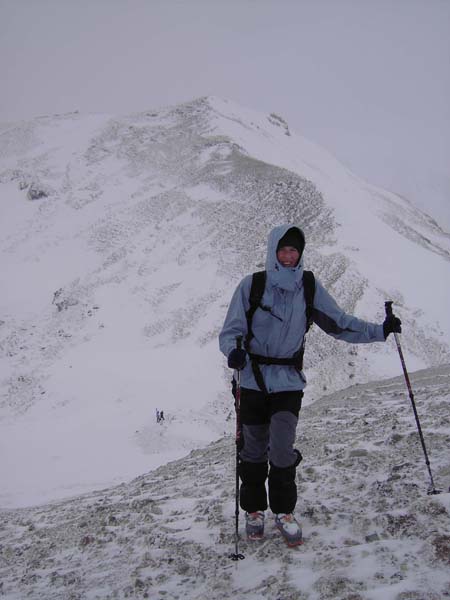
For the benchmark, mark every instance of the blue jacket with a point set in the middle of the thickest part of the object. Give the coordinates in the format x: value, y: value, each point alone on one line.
x: 279, y: 333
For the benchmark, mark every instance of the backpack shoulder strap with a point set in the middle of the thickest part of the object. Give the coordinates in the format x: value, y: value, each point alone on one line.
x: 309, y: 288
x: 255, y: 297
x: 257, y: 289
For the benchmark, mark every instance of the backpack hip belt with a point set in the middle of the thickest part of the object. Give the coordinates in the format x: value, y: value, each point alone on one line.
x: 293, y: 361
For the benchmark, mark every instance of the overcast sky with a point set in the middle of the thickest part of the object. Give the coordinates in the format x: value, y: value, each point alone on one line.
x: 367, y: 79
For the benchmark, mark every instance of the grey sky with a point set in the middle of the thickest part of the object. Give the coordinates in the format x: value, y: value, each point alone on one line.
x: 367, y: 79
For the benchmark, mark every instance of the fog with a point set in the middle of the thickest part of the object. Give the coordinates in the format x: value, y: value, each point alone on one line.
x: 369, y: 81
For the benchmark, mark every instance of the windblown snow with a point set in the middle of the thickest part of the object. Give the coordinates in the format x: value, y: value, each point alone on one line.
x: 121, y: 242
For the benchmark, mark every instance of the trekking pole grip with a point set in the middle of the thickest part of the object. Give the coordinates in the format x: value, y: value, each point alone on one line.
x: 390, y: 313
x: 388, y: 308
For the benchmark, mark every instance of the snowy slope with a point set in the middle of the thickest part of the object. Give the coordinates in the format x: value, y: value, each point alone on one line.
x: 371, y: 531
x: 122, y: 239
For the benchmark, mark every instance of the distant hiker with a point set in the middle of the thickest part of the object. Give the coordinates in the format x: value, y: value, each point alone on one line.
x: 161, y: 416
x: 272, y: 312
x: 158, y: 416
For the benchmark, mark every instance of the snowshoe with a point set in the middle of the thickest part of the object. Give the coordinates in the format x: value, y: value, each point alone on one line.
x: 254, y: 525
x: 289, y: 528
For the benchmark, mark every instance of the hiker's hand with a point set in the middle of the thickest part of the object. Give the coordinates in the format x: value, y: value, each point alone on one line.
x: 392, y: 324
x: 237, y: 359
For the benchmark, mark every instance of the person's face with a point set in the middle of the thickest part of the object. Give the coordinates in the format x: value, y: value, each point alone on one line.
x: 288, y: 256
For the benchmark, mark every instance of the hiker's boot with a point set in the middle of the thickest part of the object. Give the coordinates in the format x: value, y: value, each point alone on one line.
x: 290, y: 529
x: 254, y: 525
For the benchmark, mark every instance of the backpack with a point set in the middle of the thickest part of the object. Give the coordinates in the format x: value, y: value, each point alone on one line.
x: 255, y: 299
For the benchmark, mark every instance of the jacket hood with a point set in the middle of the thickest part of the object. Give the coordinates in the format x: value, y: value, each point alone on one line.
x: 278, y: 275
x: 274, y: 237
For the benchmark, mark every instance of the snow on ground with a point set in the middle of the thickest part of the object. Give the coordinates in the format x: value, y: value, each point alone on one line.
x: 122, y: 239
x: 371, y: 531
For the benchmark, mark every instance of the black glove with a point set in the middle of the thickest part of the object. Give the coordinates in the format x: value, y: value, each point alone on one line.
x: 237, y: 359
x: 392, y: 324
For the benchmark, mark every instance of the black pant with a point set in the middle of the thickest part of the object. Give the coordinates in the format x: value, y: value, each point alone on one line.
x: 268, y: 423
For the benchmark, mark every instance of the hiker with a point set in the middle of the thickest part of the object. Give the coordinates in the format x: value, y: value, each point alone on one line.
x: 161, y: 416
x: 271, y: 376
x: 158, y: 416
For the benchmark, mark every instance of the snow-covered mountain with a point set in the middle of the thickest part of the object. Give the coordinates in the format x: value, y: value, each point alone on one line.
x: 122, y: 239
x: 371, y: 531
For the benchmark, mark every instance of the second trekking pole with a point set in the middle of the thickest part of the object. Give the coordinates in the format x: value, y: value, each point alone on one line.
x: 431, y: 489
x: 237, y: 397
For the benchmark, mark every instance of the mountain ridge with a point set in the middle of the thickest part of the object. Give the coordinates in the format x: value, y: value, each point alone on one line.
x: 122, y: 239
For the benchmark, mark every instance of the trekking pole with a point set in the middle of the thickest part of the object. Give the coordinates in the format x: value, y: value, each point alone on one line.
x: 237, y: 556
x: 431, y: 490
